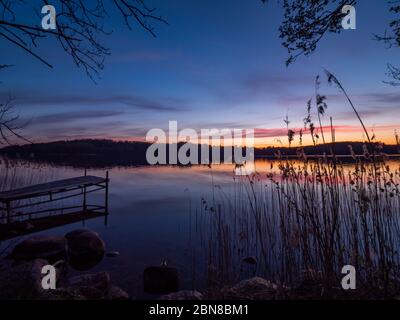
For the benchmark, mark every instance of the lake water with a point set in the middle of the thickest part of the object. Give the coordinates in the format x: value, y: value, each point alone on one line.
x: 151, y: 214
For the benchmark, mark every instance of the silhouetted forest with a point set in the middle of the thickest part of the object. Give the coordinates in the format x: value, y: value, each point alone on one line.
x: 339, y: 148
x: 106, y: 153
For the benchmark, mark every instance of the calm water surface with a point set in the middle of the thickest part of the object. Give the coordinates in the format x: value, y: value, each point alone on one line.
x: 151, y: 210
x: 150, y: 215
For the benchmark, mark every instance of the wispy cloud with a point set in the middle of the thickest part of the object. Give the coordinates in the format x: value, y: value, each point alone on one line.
x: 73, y: 131
x: 276, y: 83
x: 65, y: 117
x: 385, y: 98
x: 371, y: 113
x: 138, y: 102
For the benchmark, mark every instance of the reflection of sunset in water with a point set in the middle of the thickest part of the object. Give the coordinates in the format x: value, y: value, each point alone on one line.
x: 261, y: 167
x: 151, y: 209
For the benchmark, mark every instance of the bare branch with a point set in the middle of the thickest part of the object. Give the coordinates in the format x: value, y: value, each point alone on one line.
x: 306, y: 22
x: 10, y: 125
x: 79, y: 23
x: 3, y: 66
x: 393, y: 73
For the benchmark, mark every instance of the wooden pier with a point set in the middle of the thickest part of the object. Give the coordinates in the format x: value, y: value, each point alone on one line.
x: 14, y: 221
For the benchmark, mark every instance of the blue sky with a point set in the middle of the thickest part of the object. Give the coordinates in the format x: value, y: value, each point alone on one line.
x: 217, y: 64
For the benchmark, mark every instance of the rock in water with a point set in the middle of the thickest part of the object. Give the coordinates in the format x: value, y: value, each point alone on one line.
x: 40, y: 247
x: 112, y: 254
x: 160, y: 279
x: 74, y: 233
x: 85, y: 249
x: 183, y: 295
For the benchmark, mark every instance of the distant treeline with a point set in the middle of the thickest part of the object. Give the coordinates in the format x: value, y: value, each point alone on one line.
x: 105, y: 153
x: 82, y: 153
x: 338, y: 148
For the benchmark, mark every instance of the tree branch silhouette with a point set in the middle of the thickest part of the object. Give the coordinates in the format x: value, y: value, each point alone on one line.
x: 10, y: 125
x: 78, y: 26
x: 307, y: 22
x: 392, y: 40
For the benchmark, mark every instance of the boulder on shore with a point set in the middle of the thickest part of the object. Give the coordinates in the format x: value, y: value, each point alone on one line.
x: 22, y: 280
x: 183, y: 295
x: 40, y: 247
x: 160, y: 279
x: 252, y: 289
x: 85, y: 249
x: 96, y: 286
x: 116, y: 293
x: 100, y: 281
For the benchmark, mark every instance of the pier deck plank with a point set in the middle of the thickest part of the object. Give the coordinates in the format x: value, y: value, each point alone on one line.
x: 50, y: 187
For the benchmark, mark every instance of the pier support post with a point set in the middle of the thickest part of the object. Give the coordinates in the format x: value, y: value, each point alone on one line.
x: 106, y: 194
x: 84, y: 200
x: 84, y: 196
x: 8, y: 209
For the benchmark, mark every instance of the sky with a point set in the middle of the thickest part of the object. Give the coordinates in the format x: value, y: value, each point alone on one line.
x: 217, y: 64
